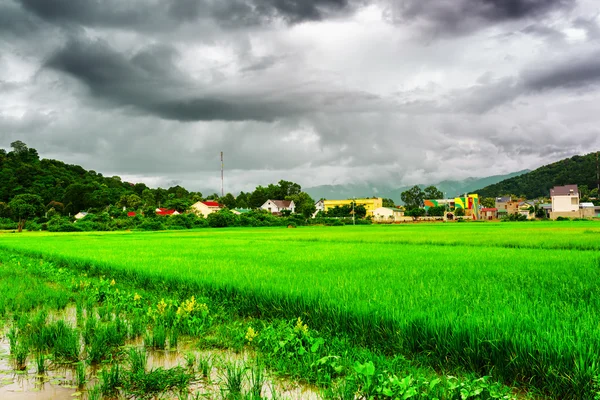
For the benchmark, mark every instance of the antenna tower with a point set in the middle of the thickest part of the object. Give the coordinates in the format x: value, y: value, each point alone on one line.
x: 222, y: 194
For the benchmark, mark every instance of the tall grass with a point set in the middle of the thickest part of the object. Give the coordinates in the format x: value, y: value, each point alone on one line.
x: 518, y: 301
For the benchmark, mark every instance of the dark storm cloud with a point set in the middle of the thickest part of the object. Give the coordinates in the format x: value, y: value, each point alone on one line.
x: 158, y: 14
x: 151, y: 82
x: 576, y: 73
x: 460, y: 16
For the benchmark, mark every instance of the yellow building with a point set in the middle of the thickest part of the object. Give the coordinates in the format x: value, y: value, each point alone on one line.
x: 369, y: 204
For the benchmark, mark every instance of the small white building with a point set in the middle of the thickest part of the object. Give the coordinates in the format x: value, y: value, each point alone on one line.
x: 277, y: 206
x: 206, y: 207
x: 388, y: 214
x: 320, y: 205
x: 565, y: 198
x: 80, y: 215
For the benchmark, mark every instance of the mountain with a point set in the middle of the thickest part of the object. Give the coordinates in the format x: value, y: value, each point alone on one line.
x: 577, y: 170
x: 451, y: 188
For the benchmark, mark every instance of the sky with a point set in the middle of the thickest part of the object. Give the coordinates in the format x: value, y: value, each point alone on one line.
x: 318, y: 92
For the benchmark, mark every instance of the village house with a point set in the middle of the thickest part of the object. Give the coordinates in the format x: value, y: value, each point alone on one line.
x: 388, y: 214
x: 489, y: 213
x: 206, y: 207
x: 277, y: 206
x: 369, y: 204
x: 165, y: 211
x: 506, y: 206
x: 80, y: 215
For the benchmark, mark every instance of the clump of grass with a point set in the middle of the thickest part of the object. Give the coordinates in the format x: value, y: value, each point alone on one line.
x: 80, y: 373
x: 190, y: 361
x: 257, y: 381
x: 66, y: 343
x: 160, y: 380
x: 137, y: 360
x: 159, y: 337
x: 233, y: 380
x: 205, y: 366
x: 110, y: 381
x: 40, y: 362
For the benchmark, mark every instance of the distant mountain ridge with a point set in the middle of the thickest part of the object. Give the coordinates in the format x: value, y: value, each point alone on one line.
x: 449, y: 187
x: 577, y: 170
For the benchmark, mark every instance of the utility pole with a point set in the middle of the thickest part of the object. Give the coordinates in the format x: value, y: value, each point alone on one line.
x: 597, y: 172
x: 222, y: 189
x: 353, y: 201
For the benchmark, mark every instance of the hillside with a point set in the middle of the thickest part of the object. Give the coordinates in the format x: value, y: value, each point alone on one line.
x: 23, y: 172
x: 451, y: 188
x: 579, y: 170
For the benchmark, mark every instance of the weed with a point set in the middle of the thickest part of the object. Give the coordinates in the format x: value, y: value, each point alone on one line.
x: 233, y: 379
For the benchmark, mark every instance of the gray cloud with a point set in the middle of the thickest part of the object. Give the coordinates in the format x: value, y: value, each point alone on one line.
x: 576, y: 73
x: 158, y: 14
x: 461, y: 16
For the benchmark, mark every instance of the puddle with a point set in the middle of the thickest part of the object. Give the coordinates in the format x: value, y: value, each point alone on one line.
x: 58, y: 383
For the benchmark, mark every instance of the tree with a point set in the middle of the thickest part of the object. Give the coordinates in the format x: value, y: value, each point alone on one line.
x: 130, y: 201
x: 415, y: 213
x: 25, y: 206
x: 413, y: 197
x: 488, y: 202
x: 307, y: 209
x: 242, y: 200
x: 148, y: 198
x: 19, y: 147
x: 258, y: 197
x: 301, y: 200
x: 229, y: 201
x: 432, y: 193
x: 360, y: 211
x: 436, y: 211
x: 388, y: 203
x: 459, y: 212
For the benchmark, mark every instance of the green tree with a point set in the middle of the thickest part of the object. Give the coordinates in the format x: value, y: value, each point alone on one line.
x: 415, y: 213
x: 488, y: 202
x: 388, y: 203
x: 26, y: 206
x: 148, y: 198
x: 242, y: 200
x: 307, y: 209
x: 432, y: 193
x: 130, y: 201
x: 413, y: 197
x: 228, y: 201
x: 436, y: 211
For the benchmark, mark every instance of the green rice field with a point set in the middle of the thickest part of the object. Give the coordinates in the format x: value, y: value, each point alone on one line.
x: 517, y: 301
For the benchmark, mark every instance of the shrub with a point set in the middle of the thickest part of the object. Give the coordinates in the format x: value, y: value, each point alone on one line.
x: 151, y: 225
x: 223, y: 219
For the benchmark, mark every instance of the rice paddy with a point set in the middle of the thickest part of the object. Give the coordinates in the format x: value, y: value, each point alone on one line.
x: 517, y: 302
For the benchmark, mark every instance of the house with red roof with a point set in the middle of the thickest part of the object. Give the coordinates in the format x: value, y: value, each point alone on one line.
x: 165, y: 211
x: 206, y: 207
x: 489, y: 213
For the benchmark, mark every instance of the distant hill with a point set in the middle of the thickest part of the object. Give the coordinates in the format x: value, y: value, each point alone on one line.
x: 578, y: 170
x: 451, y: 188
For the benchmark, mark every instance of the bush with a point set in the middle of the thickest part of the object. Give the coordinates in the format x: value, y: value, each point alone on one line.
x: 151, y: 225
x: 223, y: 219
x: 563, y: 219
x: 58, y: 224
x: 7, y: 223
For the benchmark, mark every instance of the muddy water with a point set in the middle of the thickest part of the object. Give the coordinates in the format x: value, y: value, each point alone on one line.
x: 58, y: 383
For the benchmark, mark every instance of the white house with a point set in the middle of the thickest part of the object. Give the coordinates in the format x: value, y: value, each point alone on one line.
x: 388, y: 214
x: 206, y: 207
x: 80, y: 215
x: 320, y: 205
x: 565, y: 198
x: 277, y: 206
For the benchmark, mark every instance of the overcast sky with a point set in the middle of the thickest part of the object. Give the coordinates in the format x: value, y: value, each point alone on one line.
x: 313, y: 91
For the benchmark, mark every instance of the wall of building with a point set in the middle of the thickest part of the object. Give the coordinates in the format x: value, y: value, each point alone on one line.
x: 369, y: 204
x: 565, y: 203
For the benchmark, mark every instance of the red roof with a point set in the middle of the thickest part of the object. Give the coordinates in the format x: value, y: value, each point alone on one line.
x: 164, y: 211
x: 211, y: 204
x: 131, y: 214
x: 489, y: 209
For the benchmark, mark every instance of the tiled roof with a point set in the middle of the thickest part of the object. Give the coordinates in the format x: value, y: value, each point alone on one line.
x: 211, y: 204
x: 564, y: 190
x: 282, y: 203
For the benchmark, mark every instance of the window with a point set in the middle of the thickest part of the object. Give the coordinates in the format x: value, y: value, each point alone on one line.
x: 574, y: 200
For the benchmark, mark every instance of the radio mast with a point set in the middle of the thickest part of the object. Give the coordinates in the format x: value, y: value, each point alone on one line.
x: 222, y: 194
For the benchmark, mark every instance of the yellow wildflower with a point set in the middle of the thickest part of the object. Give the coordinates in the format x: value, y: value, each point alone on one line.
x: 136, y: 297
x: 161, y: 306
x: 251, y: 334
x: 112, y: 283
x: 300, y: 326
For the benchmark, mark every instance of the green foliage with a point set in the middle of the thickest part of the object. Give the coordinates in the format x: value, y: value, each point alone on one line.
x: 438, y: 211
x: 432, y: 193
x: 413, y: 197
x: 577, y: 170
x: 223, y: 219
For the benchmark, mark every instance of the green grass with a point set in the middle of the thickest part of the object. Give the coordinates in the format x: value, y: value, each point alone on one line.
x: 518, y: 301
